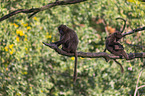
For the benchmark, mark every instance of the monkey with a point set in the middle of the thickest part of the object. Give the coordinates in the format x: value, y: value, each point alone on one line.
x: 114, y: 47
x: 69, y: 41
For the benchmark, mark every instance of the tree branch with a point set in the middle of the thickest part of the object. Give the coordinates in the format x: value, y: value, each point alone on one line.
x: 141, y: 86
x: 133, y: 31
x: 92, y: 55
x: 34, y: 11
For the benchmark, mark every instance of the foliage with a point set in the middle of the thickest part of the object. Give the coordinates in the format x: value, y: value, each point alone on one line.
x: 30, y: 68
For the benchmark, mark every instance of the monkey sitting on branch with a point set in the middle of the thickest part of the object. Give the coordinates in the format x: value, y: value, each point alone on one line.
x: 69, y: 41
x: 113, y: 45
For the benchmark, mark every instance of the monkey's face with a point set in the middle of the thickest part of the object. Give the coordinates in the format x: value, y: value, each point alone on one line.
x: 118, y: 35
x: 62, y: 29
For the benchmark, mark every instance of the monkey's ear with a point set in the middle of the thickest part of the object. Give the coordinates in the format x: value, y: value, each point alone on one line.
x: 64, y: 26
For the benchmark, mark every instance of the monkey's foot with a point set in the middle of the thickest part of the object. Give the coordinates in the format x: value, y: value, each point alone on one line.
x: 131, y: 56
x: 106, y: 58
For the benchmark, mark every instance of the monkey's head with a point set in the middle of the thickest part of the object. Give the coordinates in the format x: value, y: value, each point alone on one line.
x: 118, y: 35
x: 62, y: 29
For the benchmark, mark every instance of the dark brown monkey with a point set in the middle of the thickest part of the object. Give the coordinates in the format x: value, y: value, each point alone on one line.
x: 113, y: 45
x: 69, y: 41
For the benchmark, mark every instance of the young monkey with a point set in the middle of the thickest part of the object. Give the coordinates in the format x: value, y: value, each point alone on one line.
x: 113, y: 45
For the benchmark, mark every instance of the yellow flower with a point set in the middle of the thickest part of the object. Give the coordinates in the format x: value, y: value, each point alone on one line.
x: 18, y: 94
x: 17, y: 31
x: 72, y: 58
x: 28, y: 27
x: 81, y: 57
x: 35, y: 18
x: 6, y: 48
x: 11, y: 24
x: 26, y: 49
x: 25, y: 36
x: 11, y: 46
x: 11, y: 52
x: 30, y: 87
x: 17, y: 38
x: 25, y: 24
x: 25, y: 39
x: 130, y: 0
x: 47, y: 33
x: 134, y: 1
x: 130, y: 65
x: 49, y: 36
x: 25, y: 73
x: 15, y: 25
x: 20, y: 32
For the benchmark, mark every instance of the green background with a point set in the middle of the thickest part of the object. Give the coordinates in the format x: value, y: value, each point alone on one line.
x: 27, y: 67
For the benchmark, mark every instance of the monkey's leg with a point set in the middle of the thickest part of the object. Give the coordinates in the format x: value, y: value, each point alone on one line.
x: 75, y: 68
x: 111, y: 49
x: 125, y: 55
x: 115, y: 52
x: 66, y: 49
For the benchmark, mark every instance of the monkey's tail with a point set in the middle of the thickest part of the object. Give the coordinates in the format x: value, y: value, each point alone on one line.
x: 122, y: 70
x: 104, y: 50
x: 75, y: 68
x: 124, y: 23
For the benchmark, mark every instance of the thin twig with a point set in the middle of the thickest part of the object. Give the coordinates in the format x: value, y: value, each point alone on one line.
x: 34, y: 11
x: 135, y: 45
x: 141, y: 86
x: 138, y: 82
x: 133, y: 31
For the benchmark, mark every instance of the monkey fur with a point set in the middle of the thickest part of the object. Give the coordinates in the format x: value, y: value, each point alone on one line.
x: 69, y: 41
x: 113, y: 45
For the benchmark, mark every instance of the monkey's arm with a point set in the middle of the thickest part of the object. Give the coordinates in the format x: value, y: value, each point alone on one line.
x: 112, y: 42
x: 118, y: 47
x: 62, y: 40
x: 58, y: 43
